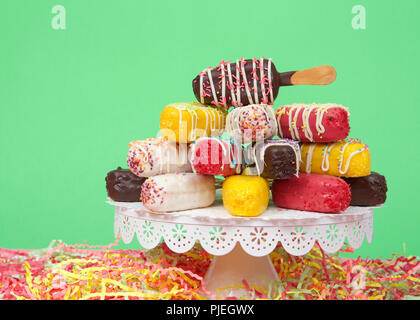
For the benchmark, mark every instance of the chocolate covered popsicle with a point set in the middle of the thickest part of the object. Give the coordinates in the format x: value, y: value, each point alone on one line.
x: 252, y: 81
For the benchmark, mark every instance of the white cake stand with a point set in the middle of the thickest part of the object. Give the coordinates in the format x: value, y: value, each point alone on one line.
x: 241, y: 245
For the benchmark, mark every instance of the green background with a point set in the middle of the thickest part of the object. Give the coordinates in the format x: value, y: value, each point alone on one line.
x: 71, y: 100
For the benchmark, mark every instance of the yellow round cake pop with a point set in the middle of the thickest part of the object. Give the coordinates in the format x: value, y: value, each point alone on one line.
x: 245, y: 196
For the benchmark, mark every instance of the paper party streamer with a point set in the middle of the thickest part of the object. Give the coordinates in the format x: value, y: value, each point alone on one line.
x: 81, y: 271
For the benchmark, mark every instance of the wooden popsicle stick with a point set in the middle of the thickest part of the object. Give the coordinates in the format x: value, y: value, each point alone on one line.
x: 321, y: 75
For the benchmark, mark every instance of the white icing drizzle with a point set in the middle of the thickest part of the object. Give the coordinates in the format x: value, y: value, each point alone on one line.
x: 294, y: 123
x: 255, y: 83
x: 272, y: 118
x: 348, y: 159
x: 292, y: 133
x: 213, y: 124
x: 261, y: 80
x: 213, y: 90
x: 207, y: 121
x: 305, y: 118
x: 280, y: 132
x: 223, y: 84
x: 319, y: 116
x: 194, y: 121
x: 309, y: 156
x: 321, y: 110
x: 234, y: 102
x: 325, y: 165
x: 269, y: 80
x: 213, y: 121
x: 201, y: 86
x: 248, y: 93
x: 238, y: 84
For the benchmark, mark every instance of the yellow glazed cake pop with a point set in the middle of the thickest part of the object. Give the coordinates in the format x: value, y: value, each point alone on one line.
x: 245, y: 196
x: 344, y: 158
x: 186, y: 122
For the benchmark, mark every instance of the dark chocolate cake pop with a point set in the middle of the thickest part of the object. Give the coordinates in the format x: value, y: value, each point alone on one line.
x: 122, y: 185
x: 369, y: 190
x: 273, y: 159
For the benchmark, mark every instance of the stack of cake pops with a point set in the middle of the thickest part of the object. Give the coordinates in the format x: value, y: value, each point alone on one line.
x: 299, y: 155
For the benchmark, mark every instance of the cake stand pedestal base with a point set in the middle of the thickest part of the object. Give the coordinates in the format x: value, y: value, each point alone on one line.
x: 228, y: 270
x: 241, y: 245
